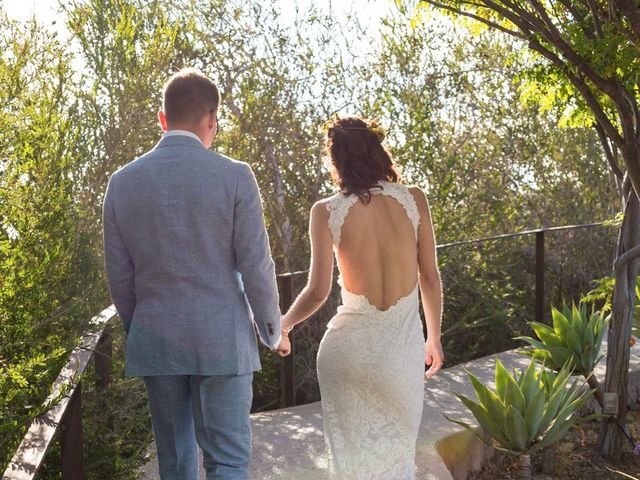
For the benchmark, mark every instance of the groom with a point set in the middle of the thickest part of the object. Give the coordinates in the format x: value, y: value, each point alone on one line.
x: 190, y: 273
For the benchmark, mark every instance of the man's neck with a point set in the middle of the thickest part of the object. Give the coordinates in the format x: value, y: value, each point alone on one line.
x: 180, y: 131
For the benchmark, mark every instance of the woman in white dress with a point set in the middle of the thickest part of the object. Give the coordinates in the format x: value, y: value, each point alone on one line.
x: 371, y: 360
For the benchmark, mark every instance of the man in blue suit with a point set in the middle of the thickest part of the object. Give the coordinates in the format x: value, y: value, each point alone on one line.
x: 190, y: 272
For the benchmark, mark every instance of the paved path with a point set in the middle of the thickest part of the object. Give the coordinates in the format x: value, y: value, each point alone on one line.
x: 288, y: 444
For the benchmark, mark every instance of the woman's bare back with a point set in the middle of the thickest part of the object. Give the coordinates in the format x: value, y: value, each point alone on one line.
x: 377, y: 253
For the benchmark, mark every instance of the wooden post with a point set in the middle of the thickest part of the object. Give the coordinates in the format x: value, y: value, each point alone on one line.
x: 540, y: 276
x: 103, y: 364
x: 71, y: 460
x: 102, y: 359
x: 288, y: 395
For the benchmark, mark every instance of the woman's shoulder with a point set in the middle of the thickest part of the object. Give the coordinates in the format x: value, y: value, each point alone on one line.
x: 327, y: 202
x: 323, y: 205
x: 419, y: 197
x: 417, y: 192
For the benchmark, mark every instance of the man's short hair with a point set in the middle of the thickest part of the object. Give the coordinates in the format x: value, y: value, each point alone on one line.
x: 188, y: 96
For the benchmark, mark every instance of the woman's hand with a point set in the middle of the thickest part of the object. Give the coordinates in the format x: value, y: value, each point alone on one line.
x: 433, y: 357
x: 284, y: 347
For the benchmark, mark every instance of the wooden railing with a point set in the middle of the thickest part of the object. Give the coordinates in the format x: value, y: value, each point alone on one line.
x: 66, y: 416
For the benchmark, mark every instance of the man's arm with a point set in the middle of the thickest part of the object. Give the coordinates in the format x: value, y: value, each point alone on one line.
x: 253, y: 258
x: 118, y: 263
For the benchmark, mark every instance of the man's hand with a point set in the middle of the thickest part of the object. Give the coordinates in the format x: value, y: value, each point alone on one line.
x: 284, y: 347
x: 433, y: 356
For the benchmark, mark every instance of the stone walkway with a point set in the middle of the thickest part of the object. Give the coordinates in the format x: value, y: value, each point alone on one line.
x: 288, y: 444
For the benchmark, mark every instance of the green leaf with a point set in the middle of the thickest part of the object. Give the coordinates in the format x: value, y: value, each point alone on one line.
x: 488, y: 399
x: 533, y: 415
x: 550, y: 409
x: 484, y: 419
x: 562, y: 376
x: 501, y: 376
x: 529, y: 383
x: 553, y: 435
x: 516, y: 429
x: 576, y: 318
x: 560, y: 322
x: 474, y: 430
x: 513, y: 396
x: 531, y: 341
x: 560, y: 356
x: 478, y: 387
x: 574, y: 342
x: 546, y: 335
x: 591, y: 328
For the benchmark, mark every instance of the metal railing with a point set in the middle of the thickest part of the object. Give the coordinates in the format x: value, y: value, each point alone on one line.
x: 66, y: 415
x: 286, y: 289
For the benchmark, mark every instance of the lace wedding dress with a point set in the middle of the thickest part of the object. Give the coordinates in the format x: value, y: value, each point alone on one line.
x: 371, y: 372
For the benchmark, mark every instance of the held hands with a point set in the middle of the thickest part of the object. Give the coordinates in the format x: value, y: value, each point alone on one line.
x: 284, y: 347
x: 433, y: 357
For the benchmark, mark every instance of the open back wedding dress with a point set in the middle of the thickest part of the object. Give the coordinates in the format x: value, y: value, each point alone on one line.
x: 371, y: 370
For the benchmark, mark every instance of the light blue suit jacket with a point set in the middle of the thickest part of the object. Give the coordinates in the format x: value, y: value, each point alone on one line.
x: 188, y: 262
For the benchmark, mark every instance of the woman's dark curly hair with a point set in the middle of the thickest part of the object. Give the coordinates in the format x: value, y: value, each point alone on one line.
x: 358, y: 159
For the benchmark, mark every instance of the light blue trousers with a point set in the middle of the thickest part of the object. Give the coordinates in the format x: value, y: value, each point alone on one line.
x: 209, y: 411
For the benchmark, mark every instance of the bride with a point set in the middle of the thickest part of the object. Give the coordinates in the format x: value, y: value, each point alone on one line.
x: 370, y: 360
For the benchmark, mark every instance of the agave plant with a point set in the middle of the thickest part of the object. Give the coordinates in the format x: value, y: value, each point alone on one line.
x: 575, y: 339
x: 527, y: 411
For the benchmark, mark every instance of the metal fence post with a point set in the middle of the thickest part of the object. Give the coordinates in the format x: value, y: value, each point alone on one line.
x: 539, y: 275
x: 71, y: 458
x: 288, y: 395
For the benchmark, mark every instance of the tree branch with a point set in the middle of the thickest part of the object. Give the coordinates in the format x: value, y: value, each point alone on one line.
x: 627, y: 257
x: 627, y: 110
x: 629, y: 9
x: 558, y: 41
x: 530, y: 26
x: 583, y: 88
x: 579, y: 17
x: 593, y: 6
x: 480, y: 19
x: 608, y: 152
x: 525, y: 20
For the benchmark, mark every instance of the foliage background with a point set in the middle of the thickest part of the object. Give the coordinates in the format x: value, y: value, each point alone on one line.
x: 73, y: 112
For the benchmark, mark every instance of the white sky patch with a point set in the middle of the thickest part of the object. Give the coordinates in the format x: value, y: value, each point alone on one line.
x: 47, y: 12
x: 12, y: 233
x: 368, y: 12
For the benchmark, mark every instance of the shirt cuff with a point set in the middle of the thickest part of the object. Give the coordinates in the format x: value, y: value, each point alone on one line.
x: 277, y: 342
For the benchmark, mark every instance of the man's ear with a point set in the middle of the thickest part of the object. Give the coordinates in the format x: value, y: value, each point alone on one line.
x: 213, y: 118
x: 163, y: 121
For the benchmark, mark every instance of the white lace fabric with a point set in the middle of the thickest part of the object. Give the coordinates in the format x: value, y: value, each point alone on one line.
x: 371, y: 372
x: 339, y: 205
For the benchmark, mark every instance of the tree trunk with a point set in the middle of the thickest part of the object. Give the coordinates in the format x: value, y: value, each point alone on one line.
x: 595, y: 385
x: 276, y: 203
x: 280, y: 215
x: 523, y: 468
x: 549, y: 459
x: 616, y: 380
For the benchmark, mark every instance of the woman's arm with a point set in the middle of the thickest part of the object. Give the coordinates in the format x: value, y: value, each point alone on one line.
x: 318, y: 287
x: 430, y: 284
